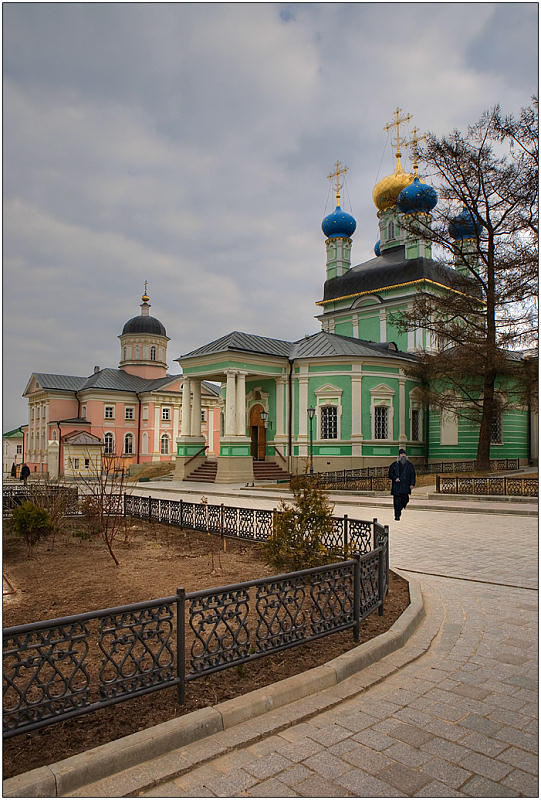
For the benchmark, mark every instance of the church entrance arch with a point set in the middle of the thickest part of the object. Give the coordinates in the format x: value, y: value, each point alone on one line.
x: 258, y: 433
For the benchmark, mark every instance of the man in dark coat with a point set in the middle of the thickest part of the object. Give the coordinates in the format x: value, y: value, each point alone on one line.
x: 25, y: 472
x: 402, y: 474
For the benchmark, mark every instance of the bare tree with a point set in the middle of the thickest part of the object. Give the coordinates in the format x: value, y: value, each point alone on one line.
x: 487, y: 180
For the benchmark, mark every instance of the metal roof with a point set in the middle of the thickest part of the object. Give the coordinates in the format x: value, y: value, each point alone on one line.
x: 244, y: 342
x: 16, y: 433
x: 391, y: 268
x: 70, y: 383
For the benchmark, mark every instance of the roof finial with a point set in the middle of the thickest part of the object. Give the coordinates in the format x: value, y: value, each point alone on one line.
x: 414, y: 144
x: 338, y: 170
x: 145, y: 298
x: 398, y: 120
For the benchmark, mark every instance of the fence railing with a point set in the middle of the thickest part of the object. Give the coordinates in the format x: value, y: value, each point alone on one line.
x: 366, y: 478
x: 13, y: 495
x: 63, y: 668
x: 516, y: 487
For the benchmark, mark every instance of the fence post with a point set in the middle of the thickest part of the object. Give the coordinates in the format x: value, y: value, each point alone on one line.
x: 437, y: 483
x: 357, y: 597
x: 456, y: 484
x: 181, y: 656
x: 346, y: 536
x: 381, y: 579
x: 124, y: 503
x: 374, y: 523
x: 149, y: 508
x: 222, y: 526
x: 181, y: 515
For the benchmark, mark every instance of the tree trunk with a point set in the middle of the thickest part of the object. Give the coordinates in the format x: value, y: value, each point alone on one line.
x: 485, y: 431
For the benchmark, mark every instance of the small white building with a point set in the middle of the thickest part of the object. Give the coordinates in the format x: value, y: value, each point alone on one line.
x: 12, y: 451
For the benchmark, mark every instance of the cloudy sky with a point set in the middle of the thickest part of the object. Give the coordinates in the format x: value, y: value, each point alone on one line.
x: 188, y: 145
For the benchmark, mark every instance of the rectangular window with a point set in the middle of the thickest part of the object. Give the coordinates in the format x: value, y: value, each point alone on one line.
x: 19, y: 449
x: 166, y: 413
x: 83, y: 412
x: 129, y: 413
x: 145, y: 412
x: 496, y: 430
x: 203, y: 417
x: 329, y: 422
x: 381, y: 422
x: 109, y: 412
x: 87, y: 463
x: 415, y: 432
x: 75, y: 463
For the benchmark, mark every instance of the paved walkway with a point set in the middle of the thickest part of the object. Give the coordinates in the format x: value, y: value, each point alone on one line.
x: 461, y: 720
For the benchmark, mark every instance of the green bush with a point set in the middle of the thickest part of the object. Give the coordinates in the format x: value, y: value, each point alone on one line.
x: 32, y: 523
x: 299, y: 529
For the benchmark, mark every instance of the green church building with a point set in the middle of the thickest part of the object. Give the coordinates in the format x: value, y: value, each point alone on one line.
x: 348, y: 382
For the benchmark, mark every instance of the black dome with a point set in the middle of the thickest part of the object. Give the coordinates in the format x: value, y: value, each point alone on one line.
x: 144, y: 324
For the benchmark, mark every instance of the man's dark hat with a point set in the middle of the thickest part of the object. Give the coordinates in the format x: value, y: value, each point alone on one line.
x: 401, y: 451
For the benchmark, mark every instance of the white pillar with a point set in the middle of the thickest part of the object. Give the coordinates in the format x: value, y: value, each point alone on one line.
x: 230, y: 403
x: 176, y: 412
x: 185, y: 423
x: 355, y: 326
x: 356, y: 419
x: 210, y: 428
x: 195, y: 427
x: 280, y: 414
x: 157, y: 416
x: 303, y: 406
x: 383, y: 325
x: 402, y: 410
x: 241, y: 404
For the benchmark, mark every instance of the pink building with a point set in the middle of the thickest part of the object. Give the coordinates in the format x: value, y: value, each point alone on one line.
x: 135, y: 410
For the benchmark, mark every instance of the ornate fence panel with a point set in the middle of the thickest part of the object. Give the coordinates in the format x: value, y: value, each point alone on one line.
x: 46, y: 666
x: 241, y: 622
x: 14, y: 495
x: 516, y: 487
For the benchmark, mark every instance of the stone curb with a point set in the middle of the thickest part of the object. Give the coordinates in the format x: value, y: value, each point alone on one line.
x: 68, y: 775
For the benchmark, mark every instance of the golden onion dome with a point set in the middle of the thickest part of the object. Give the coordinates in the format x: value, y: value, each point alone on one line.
x: 386, y: 191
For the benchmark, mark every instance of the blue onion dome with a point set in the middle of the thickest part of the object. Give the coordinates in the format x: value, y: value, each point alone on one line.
x: 339, y: 223
x: 377, y: 247
x: 417, y: 197
x: 464, y: 225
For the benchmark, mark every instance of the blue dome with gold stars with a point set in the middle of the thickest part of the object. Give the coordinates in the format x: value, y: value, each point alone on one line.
x: 377, y: 248
x: 417, y: 197
x: 464, y: 225
x: 339, y: 223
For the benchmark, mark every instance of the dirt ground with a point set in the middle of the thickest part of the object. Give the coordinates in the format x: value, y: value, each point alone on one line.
x: 74, y: 575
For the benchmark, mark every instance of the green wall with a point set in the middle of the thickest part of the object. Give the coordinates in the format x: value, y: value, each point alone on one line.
x: 369, y: 329
x: 515, y: 438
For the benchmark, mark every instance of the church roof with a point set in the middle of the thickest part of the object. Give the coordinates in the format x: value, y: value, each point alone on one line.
x: 391, y: 268
x: 16, y: 433
x: 318, y: 345
x: 81, y: 438
x: 70, y: 383
x: 110, y: 379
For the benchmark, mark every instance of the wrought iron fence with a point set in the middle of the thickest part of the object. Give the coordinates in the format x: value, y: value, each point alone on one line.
x: 13, y: 495
x: 376, y: 478
x: 516, y: 487
x: 63, y: 668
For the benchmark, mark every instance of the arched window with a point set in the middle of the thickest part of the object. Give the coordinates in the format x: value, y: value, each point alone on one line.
x: 153, y: 353
x: 53, y: 435
x: 125, y: 354
x: 164, y: 449
x: 109, y: 441
x: 128, y: 444
x: 391, y: 229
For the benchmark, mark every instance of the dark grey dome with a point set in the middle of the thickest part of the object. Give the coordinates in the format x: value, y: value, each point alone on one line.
x: 144, y: 324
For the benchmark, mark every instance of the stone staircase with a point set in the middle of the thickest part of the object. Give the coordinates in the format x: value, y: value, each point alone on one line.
x: 269, y: 471
x: 205, y: 472
x: 263, y: 471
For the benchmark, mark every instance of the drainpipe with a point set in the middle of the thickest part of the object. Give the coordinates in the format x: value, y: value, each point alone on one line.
x: 138, y: 426
x: 290, y: 416
x: 59, y: 447
x: 21, y: 430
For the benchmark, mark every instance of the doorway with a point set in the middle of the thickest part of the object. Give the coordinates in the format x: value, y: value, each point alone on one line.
x: 258, y: 433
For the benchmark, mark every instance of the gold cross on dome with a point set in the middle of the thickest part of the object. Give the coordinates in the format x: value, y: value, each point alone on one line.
x: 414, y: 144
x: 338, y: 170
x: 146, y: 287
x: 398, y: 120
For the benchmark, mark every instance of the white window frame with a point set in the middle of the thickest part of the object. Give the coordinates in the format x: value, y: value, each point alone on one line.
x: 83, y: 412
x: 382, y: 396
x: 153, y: 352
x: 416, y: 405
x: 128, y: 437
x: 166, y: 413
x: 19, y: 449
x: 322, y: 410
x: 203, y: 415
x: 164, y: 438
x: 87, y: 463
x: 328, y: 395
x: 106, y: 450
x: 106, y: 409
x: 129, y: 410
x: 145, y: 412
x: 75, y: 463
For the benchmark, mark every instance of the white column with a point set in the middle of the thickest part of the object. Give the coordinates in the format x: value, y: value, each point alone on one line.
x: 195, y: 427
x: 303, y: 406
x: 185, y: 423
x: 280, y: 415
x: 241, y: 404
x: 176, y: 414
x: 355, y: 326
x: 230, y: 403
x: 356, y: 419
x: 402, y: 410
x: 210, y: 429
x: 383, y: 325
x: 157, y: 416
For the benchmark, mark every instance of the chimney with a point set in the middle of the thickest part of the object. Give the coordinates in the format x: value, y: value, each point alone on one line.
x: 96, y: 370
